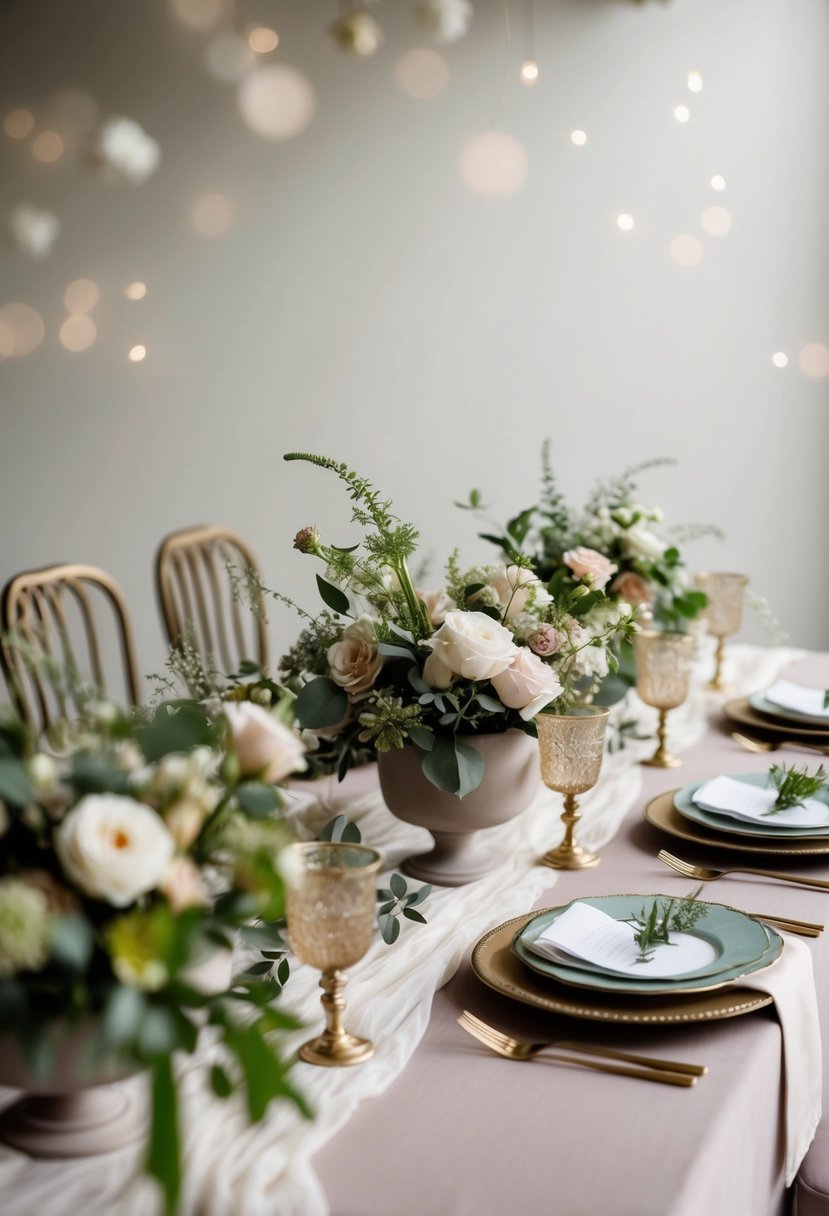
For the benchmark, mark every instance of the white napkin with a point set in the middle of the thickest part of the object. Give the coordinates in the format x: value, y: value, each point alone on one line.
x: 798, y: 698
x: 586, y: 935
x: 752, y: 803
x: 791, y: 983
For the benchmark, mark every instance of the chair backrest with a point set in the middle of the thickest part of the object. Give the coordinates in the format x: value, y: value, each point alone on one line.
x: 196, y: 569
x: 64, y: 627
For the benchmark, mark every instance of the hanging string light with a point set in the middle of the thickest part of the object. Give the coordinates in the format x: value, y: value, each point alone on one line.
x: 529, y: 68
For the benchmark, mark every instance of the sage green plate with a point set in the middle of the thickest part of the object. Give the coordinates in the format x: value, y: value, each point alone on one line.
x: 743, y: 945
x: 764, y: 706
x: 683, y: 801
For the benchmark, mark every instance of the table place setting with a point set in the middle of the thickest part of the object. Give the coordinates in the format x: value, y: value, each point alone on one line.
x: 784, y: 713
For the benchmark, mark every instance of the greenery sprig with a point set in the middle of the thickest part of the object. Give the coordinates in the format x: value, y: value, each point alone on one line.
x: 653, y: 926
x: 794, y: 785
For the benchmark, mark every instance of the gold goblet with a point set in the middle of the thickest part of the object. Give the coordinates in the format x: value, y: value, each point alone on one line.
x: 723, y: 614
x: 663, y: 673
x: 570, y: 749
x: 330, y: 910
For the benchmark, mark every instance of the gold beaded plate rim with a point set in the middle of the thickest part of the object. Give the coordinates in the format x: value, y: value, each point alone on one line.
x: 741, y: 712
x: 496, y: 966
x: 661, y: 813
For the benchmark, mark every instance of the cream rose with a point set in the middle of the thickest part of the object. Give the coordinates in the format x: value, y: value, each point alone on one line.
x: 590, y: 565
x: 512, y: 585
x: 114, y: 848
x: 468, y: 644
x: 528, y: 684
x: 639, y: 541
x: 184, y: 886
x: 264, y: 747
x: 631, y: 587
x: 354, y: 662
x: 437, y: 603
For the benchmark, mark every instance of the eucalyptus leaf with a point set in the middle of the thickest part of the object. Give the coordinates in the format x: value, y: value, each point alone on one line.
x: 411, y: 914
x: 15, y: 786
x: 176, y: 728
x: 421, y: 737
x: 454, y: 766
x: 71, y: 941
x: 220, y: 1082
x: 122, y: 1015
x: 390, y: 929
x: 320, y: 703
x: 490, y: 704
x: 398, y: 885
x: 396, y: 652
x: 256, y: 799
x: 283, y: 972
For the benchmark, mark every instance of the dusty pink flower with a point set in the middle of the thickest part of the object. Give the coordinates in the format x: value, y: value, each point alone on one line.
x: 437, y: 604
x: 594, y: 567
x: 545, y: 641
x: 184, y: 886
x: 631, y: 587
x: 528, y: 684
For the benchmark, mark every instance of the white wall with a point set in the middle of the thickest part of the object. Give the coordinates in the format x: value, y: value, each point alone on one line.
x: 366, y: 304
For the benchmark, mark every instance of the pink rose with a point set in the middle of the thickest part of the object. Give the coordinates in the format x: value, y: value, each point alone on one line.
x: 354, y: 662
x: 184, y: 886
x: 527, y: 685
x: 264, y: 747
x: 631, y: 587
x: 545, y: 641
x: 594, y: 567
x: 437, y: 605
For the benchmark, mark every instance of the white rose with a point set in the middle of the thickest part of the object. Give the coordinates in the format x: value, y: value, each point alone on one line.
x: 639, y: 541
x: 264, y: 747
x: 528, y: 684
x: 353, y: 662
x: 512, y: 585
x: 113, y: 848
x: 184, y: 820
x: 438, y: 603
x: 471, y: 645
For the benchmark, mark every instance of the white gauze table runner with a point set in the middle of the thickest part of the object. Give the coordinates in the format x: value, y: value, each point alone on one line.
x: 232, y: 1168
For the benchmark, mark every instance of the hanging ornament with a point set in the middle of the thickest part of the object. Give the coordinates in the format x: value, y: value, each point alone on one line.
x: 32, y: 231
x: 123, y: 151
x: 446, y: 20
x: 357, y: 32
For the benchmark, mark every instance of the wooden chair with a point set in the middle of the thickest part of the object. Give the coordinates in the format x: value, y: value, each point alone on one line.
x: 195, y: 572
x: 62, y: 627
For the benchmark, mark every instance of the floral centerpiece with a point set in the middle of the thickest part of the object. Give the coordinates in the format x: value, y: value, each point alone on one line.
x: 131, y: 849
x: 387, y: 664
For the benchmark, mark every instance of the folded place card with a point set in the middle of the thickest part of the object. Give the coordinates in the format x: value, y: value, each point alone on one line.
x: 585, y: 935
x: 753, y: 804
x: 796, y: 697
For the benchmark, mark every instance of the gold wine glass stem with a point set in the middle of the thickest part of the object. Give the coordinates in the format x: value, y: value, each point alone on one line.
x: 717, y: 681
x: 332, y: 983
x: 569, y: 817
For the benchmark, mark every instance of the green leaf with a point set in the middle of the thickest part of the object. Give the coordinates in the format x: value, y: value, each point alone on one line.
x: 283, y: 972
x: 389, y: 928
x: 321, y: 703
x: 15, y: 786
x: 340, y: 829
x: 411, y: 914
x: 336, y: 599
x: 398, y: 885
x: 490, y: 704
x: 163, y: 1150
x: 92, y: 775
x: 262, y: 937
x: 419, y: 896
x: 247, y: 667
x: 454, y: 766
x: 157, y: 1035
x: 72, y: 941
x: 487, y: 610
x: 421, y: 737
x: 582, y: 605
x: 220, y: 1082
x: 176, y: 728
x: 257, y: 800
x: 122, y: 1015
x: 394, y: 652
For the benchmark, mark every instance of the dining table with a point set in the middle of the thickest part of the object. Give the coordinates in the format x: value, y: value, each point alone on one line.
x: 437, y: 1124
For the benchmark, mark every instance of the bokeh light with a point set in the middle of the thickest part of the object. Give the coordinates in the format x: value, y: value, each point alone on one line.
x: 19, y: 124
x: 716, y: 221
x: 47, y: 147
x: 198, y: 14
x: 579, y: 138
x: 23, y: 328
x: 228, y: 57
x: 78, y: 333
x: 136, y: 290
x: 212, y: 215
x: 529, y: 73
x: 422, y: 73
x: 718, y: 182
x: 694, y: 82
x: 276, y: 102
x: 780, y: 359
x: 263, y: 39
x: 81, y: 296
x: 625, y: 221
x: 813, y: 360
x: 682, y: 113
x: 137, y: 354
x: 493, y: 164
x: 686, y: 250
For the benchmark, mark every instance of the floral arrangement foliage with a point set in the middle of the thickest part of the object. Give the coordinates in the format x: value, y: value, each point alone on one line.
x: 131, y: 850
x: 614, y: 536
x: 387, y: 664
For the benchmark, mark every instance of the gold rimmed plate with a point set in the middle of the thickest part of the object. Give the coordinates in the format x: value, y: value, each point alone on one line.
x: 770, y: 709
x: 661, y: 813
x: 496, y: 966
x: 741, y: 712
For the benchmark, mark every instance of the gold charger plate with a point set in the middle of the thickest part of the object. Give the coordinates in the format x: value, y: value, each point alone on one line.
x: 495, y: 964
x: 741, y: 712
x: 661, y: 813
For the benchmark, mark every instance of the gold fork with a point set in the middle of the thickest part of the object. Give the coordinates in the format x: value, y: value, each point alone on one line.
x: 705, y: 874
x: 647, y: 1068
x: 765, y: 745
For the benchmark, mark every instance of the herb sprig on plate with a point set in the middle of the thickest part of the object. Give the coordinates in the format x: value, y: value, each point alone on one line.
x: 794, y: 785
x: 654, y: 926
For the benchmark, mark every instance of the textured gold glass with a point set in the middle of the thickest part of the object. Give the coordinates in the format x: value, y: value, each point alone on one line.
x: 330, y: 910
x: 724, y: 613
x: 663, y: 673
x: 570, y: 749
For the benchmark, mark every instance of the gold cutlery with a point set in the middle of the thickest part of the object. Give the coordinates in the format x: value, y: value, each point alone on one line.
x: 646, y: 1068
x: 705, y: 874
x: 752, y: 744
